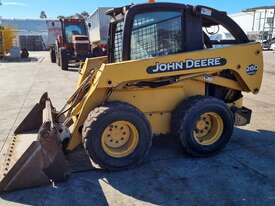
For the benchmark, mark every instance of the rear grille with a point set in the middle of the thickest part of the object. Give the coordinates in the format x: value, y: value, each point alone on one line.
x: 81, y: 39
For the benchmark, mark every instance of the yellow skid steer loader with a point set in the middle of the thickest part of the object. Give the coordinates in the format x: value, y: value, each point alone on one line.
x: 165, y: 74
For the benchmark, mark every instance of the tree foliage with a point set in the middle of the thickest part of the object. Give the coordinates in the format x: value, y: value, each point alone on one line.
x: 43, y: 15
x: 82, y: 15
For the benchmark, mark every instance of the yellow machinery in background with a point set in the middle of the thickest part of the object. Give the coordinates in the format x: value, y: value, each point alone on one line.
x: 7, y: 36
x: 163, y: 75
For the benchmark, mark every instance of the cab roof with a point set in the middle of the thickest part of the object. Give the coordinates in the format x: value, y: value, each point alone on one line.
x: 197, y: 10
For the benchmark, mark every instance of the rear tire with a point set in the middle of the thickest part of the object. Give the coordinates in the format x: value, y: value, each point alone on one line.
x: 58, y: 58
x: 117, y: 136
x: 53, y: 55
x: 64, y: 62
x: 204, y: 125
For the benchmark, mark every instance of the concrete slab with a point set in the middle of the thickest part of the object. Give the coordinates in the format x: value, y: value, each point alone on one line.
x: 242, y: 174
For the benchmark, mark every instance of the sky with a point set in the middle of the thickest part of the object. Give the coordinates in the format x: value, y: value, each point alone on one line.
x: 54, y: 8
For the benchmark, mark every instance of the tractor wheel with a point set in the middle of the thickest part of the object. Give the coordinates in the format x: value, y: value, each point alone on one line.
x: 117, y: 136
x: 64, y: 62
x: 204, y: 125
x: 53, y: 56
x: 58, y: 58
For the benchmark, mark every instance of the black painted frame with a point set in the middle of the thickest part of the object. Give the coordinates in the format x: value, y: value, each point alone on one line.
x: 144, y: 8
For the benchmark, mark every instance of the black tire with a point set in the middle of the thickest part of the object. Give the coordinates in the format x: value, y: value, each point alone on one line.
x: 58, y: 58
x: 102, y: 117
x: 53, y: 55
x: 64, y: 62
x: 184, y: 119
x: 179, y: 112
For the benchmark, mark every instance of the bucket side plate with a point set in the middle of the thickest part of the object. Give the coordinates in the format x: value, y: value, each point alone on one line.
x: 34, y: 159
x: 21, y: 168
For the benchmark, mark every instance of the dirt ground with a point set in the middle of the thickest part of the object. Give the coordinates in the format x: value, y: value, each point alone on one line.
x: 242, y: 174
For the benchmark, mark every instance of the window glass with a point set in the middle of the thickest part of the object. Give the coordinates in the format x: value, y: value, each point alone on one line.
x: 74, y: 29
x: 218, y: 33
x: 156, y: 34
x: 118, y: 42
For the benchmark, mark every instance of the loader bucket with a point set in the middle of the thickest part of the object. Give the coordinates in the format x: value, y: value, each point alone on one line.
x: 34, y: 156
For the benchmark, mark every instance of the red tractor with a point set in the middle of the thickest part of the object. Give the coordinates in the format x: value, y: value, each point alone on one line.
x: 73, y: 44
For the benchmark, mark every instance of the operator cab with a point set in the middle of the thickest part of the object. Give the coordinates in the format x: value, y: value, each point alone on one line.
x: 158, y: 29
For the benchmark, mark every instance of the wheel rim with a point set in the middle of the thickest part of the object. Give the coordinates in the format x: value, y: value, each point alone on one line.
x: 208, y: 129
x: 120, y: 139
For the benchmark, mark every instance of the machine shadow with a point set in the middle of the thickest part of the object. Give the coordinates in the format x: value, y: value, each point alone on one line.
x: 168, y: 177
x: 7, y: 60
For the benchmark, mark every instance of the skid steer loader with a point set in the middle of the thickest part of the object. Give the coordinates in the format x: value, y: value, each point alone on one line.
x: 163, y: 75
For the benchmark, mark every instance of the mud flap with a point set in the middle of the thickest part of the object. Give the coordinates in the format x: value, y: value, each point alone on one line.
x: 35, y: 156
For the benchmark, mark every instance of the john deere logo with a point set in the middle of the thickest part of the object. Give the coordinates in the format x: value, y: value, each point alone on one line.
x: 186, y: 65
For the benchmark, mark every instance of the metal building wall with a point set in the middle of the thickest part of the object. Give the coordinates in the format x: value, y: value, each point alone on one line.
x: 99, y: 25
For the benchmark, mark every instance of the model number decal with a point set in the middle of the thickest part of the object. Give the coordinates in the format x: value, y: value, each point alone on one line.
x: 252, y: 69
x: 186, y: 65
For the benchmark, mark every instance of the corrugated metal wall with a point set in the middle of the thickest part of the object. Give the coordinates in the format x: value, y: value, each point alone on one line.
x: 99, y: 22
x: 104, y: 24
x: 32, y: 34
x: 32, y: 43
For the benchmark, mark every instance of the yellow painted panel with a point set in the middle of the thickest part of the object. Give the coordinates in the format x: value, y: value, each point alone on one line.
x: 163, y: 99
x: 160, y: 122
x: 89, y: 65
x: 238, y: 59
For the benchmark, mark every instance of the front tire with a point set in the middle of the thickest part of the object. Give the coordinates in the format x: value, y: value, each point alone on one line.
x: 58, y: 58
x: 204, y: 125
x: 117, y: 136
x: 64, y: 61
x: 52, y: 55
